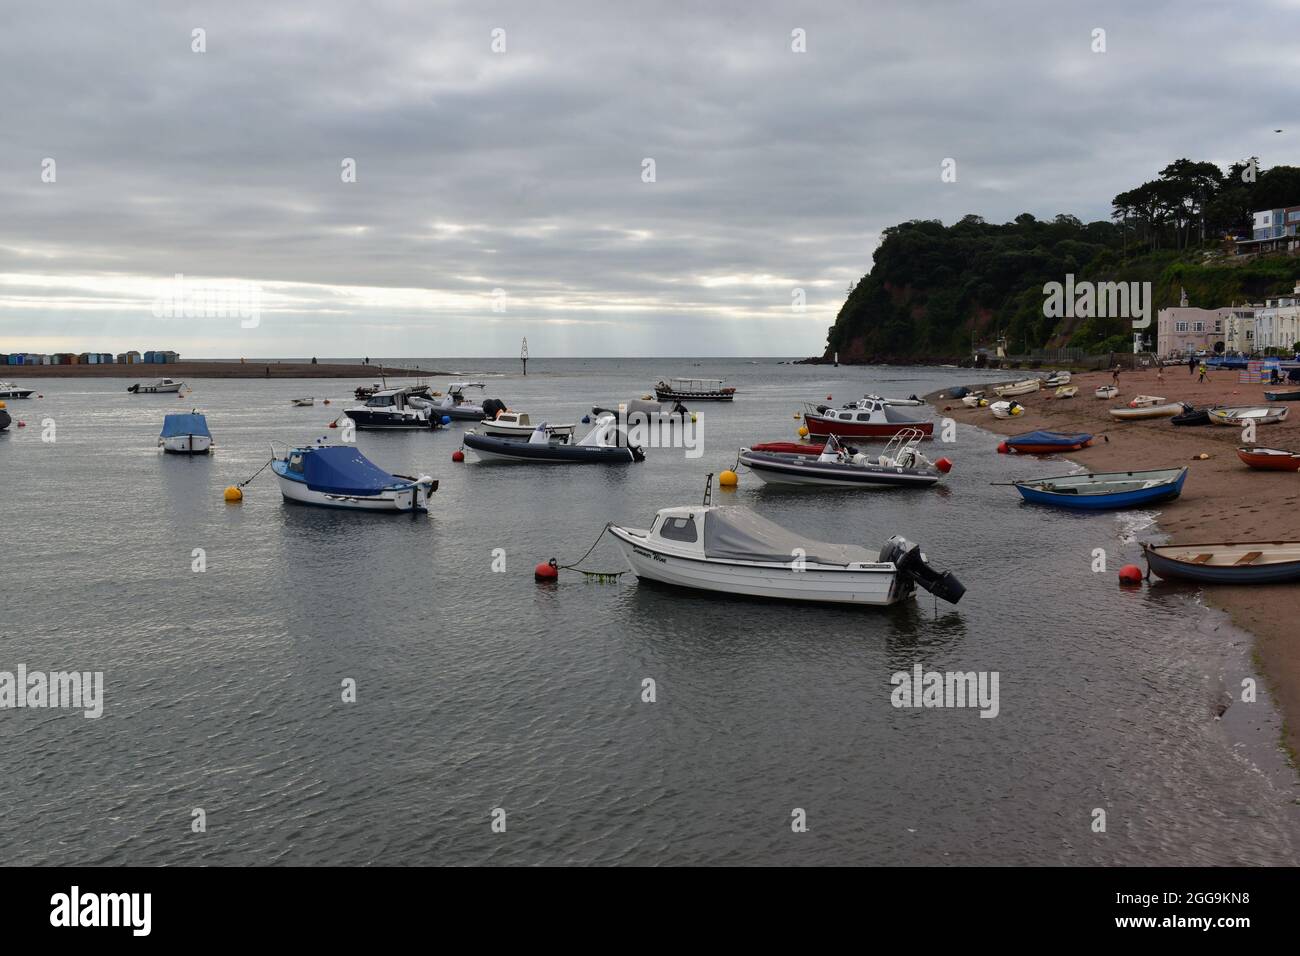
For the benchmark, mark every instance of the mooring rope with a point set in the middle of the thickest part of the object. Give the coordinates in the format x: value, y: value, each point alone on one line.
x: 598, y: 575
x: 255, y: 474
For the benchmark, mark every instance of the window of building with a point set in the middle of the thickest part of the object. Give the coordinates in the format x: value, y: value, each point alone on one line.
x: 1180, y: 326
x: 1198, y: 326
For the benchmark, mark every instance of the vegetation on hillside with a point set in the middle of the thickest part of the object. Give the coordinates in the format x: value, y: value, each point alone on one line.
x: 935, y: 290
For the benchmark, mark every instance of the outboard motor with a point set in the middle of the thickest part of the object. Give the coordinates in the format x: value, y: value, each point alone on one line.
x: 492, y: 407
x: 909, y: 560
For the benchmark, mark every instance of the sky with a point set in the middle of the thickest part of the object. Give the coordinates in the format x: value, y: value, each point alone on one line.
x: 500, y: 150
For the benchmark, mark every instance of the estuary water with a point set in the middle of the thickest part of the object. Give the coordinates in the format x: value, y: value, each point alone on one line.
x: 480, y: 691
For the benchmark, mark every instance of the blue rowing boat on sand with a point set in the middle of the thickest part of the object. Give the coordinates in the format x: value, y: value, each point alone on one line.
x: 1103, y: 492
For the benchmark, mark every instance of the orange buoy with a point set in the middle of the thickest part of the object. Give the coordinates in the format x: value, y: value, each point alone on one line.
x: 1130, y: 574
x: 457, y: 455
x: 546, y: 571
x: 944, y: 465
x: 1002, y: 448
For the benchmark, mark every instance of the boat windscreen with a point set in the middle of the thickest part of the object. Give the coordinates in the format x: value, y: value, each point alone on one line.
x: 738, y: 534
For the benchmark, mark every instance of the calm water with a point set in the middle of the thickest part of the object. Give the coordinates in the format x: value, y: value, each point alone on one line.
x: 479, y: 690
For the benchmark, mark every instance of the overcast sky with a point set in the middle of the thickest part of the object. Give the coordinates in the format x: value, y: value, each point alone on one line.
x: 522, y: 170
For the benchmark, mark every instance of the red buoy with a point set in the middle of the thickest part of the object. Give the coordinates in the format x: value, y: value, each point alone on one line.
x: 22, y: 424
x: 546, y: 571
x: 944, y: 465
x: 1130, y: 574
x: 334, y: 424
x: 457, y: 455
x: 828, y: 398
x: 1002, y: 448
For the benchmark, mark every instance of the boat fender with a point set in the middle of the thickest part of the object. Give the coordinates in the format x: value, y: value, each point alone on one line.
x: 586, y: 419
x: 446, y: 419
x: 547, y: 571
x: 944, y: 465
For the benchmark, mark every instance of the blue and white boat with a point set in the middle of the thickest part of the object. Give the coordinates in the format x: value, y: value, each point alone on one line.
x: 186, y: 434
x: 1268, y: 562
x: 338, y: 476
x: 1106, y: 491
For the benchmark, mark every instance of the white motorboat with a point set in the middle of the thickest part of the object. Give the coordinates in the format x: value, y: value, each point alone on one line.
x: 902, y: 464
x: 393, y: 408
x: 1017, y: 388
x: 509, y: 424
x: 185, y: 434
x: 1006, y: 409
x: 10, y: 390
x: 732, y: 550
x: 162, y: 386
x: 303, y: 402
x: 604, y: 444
x: 455, y: 405
x: 910, y: 402
x: 1148, y: 411
x: 338, y: 476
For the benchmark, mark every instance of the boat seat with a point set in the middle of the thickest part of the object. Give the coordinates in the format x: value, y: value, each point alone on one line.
x: 1201, y: 558
x: 1250, y: 557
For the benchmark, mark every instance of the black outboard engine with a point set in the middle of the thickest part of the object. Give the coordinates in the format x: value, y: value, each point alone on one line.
x: 492, y: 407
x: 5, y: 419
x: 909, y: 560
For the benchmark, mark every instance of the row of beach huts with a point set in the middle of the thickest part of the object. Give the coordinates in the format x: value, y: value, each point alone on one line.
x: 90, y: 358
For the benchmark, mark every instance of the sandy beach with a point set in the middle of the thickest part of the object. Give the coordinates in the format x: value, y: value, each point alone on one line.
x: 1222, y: 499
x: 253, y: 368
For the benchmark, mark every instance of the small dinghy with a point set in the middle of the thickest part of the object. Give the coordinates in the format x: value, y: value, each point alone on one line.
x: 185, y: 435
x: 1106, y: 490
x: 337, y: 476
x: 1242, y: 414
x: 1045, y: 443
x: 1191, y: 416
x: 1226, y: 563
x: 1006, y: 409
x: 900, y: 465
x: 1067, y: 391
x: 975, y: 400
x: 1106, y: 391
x: 456, y: 406
x: 1292, y: 395
x: 1017, y: 388
x: 1149, y: 411
x: 1146, y: 401
x: 868, y: 418
x: 1270, y: 459
x: 303, y: 402
x: 646, y: 411
x: 1056, y: 379
x: 732, y: 550
x: 604, y: 444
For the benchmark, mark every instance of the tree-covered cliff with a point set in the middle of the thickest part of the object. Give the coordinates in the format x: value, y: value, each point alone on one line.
x: 935, y: 290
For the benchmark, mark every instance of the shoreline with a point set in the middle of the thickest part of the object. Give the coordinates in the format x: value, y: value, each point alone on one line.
x: 1223, y: 500
x: 212, y: 369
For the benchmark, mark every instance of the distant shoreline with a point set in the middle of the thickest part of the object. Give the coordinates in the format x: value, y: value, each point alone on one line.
x: 214, y: 368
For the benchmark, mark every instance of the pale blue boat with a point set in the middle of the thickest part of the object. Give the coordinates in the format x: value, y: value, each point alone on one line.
x: 1107, y: 491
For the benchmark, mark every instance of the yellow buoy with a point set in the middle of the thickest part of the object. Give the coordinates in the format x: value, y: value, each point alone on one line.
x: 234, y: 494
x: 2, y: 405
x: 693, y: 419
x: 728, y: 479
x: 795, y: 416
x: 803, y: 431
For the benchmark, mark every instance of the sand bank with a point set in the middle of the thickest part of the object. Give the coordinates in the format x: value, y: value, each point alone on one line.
x: 232, y: 369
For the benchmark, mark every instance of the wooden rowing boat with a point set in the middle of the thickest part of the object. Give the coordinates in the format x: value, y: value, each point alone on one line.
x: 1105, y: 491
x: 1270, y: 459
x: 1226, y: 562
x: 1242, y: 414
x: 1149, y: 411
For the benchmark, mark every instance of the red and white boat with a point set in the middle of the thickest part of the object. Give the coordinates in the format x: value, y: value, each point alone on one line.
x: 869, y: 418
x: 1270, y: 459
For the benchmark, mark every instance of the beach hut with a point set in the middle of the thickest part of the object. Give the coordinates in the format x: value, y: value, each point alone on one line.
x: 169, y: 356
x: 128, y: 358
x: 106, y: 358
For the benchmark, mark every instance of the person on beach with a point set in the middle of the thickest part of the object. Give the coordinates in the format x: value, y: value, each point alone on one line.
x: 1160, y: 370
x: 1203, y: 371
x: 1114, y: 375
x: 1191, y: 365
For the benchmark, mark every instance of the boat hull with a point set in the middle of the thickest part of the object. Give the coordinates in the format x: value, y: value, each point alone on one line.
x: 880, y: 585
x: 394, y: 502
x: 186, y: 444
x: 17, y: 393
x: 491, y: 448
x: 1168, y: 567
x: 368, y: 420
x: 680, y: 395
x: 1241, y: 415
x: 1019, y: 388
x: 819, y: 427
x: 1287, y: 396
x: 807, y: 471
x: 1146, y: 412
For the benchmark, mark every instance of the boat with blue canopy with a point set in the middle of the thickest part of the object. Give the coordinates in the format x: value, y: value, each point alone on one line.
x: 1091, y: 491
x: 185, y: 434
x: 1046, y: 443
x: 338, y: 476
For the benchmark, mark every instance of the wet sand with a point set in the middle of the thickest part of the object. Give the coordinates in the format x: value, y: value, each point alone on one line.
x: 215, y: 369
x: 1222, y: 500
